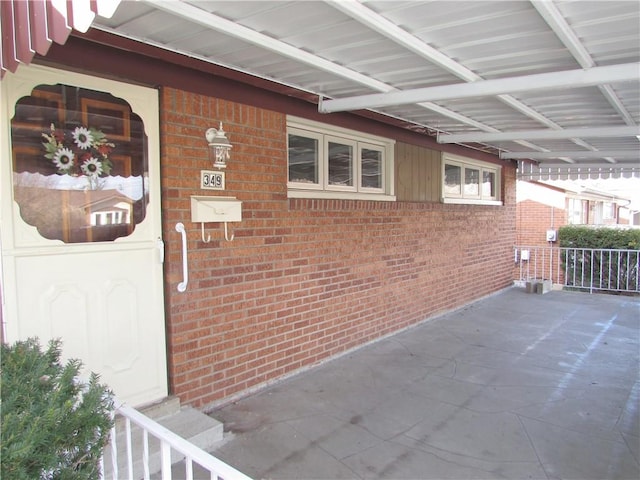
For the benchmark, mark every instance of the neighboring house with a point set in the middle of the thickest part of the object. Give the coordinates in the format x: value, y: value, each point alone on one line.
x: 542, y: 208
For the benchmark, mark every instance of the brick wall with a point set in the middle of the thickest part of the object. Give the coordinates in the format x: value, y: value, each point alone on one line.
x: 533, y: 221
x: 539, y: 208
x: 303, y: 280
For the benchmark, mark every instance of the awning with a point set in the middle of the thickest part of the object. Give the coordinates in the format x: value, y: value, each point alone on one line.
x: 532, y: 171
x: 28, y: 27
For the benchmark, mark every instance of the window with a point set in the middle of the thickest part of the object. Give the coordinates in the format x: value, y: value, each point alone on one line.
x: 452, y: 180
x: 327, y: 161
x: 608, y: 211
x: 304, y: 150
x: 341, y: 163
x: 372, y: 163
x: 577, y: 211
x: 80, y: 164
x: 469, y: 181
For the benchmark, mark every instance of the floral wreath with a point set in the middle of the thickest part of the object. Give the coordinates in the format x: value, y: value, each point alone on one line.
x: 83, y: 151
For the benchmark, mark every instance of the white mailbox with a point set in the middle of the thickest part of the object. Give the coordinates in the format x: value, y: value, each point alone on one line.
x: 205, y: 209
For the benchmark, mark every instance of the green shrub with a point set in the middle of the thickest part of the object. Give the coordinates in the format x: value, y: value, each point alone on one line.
x: 605, y: 258
x: 53, y: 425
x: 600, y: 237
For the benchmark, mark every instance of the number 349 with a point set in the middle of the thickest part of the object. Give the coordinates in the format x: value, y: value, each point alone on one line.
x: 211, y: 180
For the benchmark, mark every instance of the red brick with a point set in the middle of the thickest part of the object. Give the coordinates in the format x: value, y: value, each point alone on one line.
x: 303, y: 279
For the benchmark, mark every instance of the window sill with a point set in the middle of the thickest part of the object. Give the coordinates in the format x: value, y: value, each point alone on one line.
x: 471, y: 201
x: 335, y: 195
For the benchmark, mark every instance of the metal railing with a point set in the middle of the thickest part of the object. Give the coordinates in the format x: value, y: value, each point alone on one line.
x: 141, y: 448
x: 595, y: 270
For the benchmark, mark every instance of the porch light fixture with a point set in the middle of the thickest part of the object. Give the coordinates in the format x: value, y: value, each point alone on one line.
x: 219, y: 146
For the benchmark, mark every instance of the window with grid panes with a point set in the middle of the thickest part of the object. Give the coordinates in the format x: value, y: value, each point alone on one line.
x: 328, y: 161
x: 465, y: 180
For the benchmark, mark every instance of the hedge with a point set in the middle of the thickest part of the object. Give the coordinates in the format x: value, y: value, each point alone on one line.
x: 599, y: 237
x: 607, y: 259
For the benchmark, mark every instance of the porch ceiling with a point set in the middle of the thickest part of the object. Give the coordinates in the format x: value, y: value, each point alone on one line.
x: 554, y: 82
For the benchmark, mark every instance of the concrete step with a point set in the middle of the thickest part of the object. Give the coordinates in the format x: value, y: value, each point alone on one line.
x: 193, y: 425
x: 187, y: 422
x: 164, y: 408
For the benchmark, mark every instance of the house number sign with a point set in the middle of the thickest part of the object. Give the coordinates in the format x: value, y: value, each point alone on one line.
x: 210, y: 180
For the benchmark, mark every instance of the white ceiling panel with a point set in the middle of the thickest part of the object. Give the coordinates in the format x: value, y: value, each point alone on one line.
x: 348, y: 48
x: 579, y: 108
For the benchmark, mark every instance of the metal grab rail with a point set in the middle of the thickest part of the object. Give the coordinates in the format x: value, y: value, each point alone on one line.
x: 182, y: 286
x: 170, y: 444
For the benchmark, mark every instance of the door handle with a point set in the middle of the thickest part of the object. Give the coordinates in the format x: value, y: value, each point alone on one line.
x: 160, y: 247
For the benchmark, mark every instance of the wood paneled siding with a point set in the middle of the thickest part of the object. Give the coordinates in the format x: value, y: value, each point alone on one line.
x: 418, y: 173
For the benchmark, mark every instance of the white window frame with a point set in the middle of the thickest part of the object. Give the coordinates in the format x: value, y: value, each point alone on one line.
x: 354, y: 164
x: 467, y: 163
x: 370, y: 146
x: 358, y: 141
x: 321, y: 167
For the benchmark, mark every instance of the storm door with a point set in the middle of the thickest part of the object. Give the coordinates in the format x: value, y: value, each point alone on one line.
x: 81, y: 234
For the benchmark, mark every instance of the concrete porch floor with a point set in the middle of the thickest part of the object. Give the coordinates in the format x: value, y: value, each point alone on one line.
x: 515, y: 386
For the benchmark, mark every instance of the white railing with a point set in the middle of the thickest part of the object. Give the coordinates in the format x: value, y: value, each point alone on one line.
x: 595, y: 270
x: 141, y: 448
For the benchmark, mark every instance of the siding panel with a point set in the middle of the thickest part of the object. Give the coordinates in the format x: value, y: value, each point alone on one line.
x: 417, y: 173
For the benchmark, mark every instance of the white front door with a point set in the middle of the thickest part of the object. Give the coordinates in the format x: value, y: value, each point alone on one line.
x: 81, y: 233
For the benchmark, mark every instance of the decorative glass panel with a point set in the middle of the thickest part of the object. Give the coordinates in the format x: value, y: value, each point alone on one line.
x: 340, y: 164
x: 452, y: 179
x: 79, y: 163
x: 471, y: 181
x: 303, y: 159
x: 371, y: 168
x: 488, y: 184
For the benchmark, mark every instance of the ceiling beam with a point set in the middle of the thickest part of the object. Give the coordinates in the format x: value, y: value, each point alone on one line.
x: 550, y: 13
x: 595, y: 132
x: 536, y: 82
x: 220, y: 24
x: 215, y: 22
x: 383, y: 26
x: 583, y: 154
x: 393, y: 32
x: 418, y: 46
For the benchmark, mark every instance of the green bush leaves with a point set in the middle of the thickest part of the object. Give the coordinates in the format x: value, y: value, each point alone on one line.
x: 53, y: 425
x: 602, y: 237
